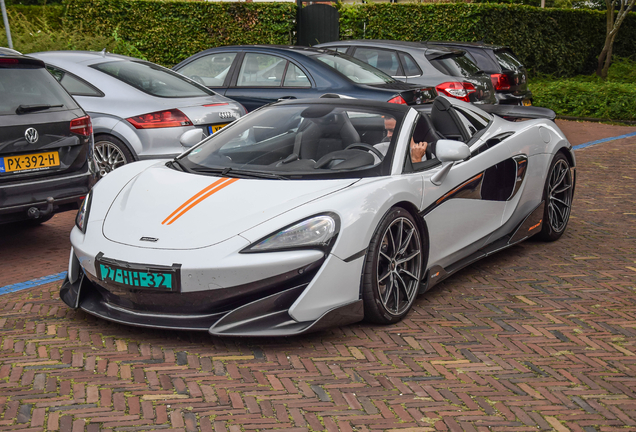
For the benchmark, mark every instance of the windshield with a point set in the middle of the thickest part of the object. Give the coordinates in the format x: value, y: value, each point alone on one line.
x: 455, y: 65
x: 32, y: 88
x: 354, y: 69
x: 153, y: 79
x: 300, y: 141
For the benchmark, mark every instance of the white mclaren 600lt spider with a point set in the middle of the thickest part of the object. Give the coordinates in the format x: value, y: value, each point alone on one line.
x: 313, y: 213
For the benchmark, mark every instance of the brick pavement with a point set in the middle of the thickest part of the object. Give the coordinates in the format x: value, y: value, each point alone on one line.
x: 540, y: 337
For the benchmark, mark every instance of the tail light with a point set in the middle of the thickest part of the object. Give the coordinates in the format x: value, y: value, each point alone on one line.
x: 457, y: 90
x: 82, y: 126
x: 398, y: 100
x: 9, y: 61
x: 500, y: 81
x: 160, y: 119
x: 216, y: 104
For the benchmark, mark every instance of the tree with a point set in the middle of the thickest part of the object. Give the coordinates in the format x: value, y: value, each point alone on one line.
x: 614, y: 20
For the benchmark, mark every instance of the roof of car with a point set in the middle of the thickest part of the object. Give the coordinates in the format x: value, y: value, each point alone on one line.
x: 431, y: 49
x: 81, y: 56
x: 469, y: 44
x: 288, y: 48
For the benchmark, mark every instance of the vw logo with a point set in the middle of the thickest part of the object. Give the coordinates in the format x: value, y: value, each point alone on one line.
x: 226, y: 114
x: 31, y: 135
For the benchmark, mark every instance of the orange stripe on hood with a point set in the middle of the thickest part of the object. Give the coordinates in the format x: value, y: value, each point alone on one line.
x: 198, y: 198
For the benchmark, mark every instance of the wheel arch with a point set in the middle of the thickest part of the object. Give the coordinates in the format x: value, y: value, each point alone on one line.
x: 422, y: 226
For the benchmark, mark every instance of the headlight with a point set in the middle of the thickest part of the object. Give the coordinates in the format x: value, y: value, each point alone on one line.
x: 81, y: 220
x: 315, y: 232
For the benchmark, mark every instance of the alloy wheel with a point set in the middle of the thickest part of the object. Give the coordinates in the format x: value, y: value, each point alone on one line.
x: 399, y: 266
x: 559, y: 196
x: 108, y: 157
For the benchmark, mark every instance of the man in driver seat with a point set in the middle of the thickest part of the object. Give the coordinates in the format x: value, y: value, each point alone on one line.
x: 418, y: 149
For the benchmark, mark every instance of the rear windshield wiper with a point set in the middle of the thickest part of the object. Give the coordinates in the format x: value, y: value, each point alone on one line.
x: 22, y: 109
x: 231, y: 172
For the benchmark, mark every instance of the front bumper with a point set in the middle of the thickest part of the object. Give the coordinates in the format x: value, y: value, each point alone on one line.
x: 254, y: 309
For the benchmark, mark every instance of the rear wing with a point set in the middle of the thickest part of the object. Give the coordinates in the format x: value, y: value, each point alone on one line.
x: 519, y: 112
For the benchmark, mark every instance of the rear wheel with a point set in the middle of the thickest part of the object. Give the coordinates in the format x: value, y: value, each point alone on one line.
x: 110, y: 153
x: 558, y: 193
x: 393, y: 268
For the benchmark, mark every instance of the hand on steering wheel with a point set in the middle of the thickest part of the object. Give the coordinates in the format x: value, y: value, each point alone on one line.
x: 368, y: 147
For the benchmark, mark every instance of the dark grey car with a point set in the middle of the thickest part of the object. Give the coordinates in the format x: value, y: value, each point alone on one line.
x: 46, y: 143
x: 508, y: 75
x: 450, y: 71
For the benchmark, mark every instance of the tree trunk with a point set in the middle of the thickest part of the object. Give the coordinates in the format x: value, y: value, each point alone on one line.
x: 613, y: 24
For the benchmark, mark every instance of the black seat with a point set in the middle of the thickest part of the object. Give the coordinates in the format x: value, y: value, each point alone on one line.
x: 424, y: 132
x: 446, y: 122
x: 327, y: 134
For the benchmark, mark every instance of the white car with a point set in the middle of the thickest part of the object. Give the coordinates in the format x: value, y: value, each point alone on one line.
x: 293, y: 218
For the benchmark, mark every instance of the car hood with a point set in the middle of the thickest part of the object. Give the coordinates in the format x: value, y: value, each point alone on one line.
x: 161, y: 208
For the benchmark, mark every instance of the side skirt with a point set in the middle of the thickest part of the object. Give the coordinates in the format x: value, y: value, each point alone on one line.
x: 530, y: 226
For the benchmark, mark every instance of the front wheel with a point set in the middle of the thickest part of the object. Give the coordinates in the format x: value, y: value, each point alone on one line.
x: 557, y: 194
x: 393, y: 268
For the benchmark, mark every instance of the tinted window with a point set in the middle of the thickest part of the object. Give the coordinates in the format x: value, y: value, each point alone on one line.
x: 24, y: 85
x: 261, y: 70
x: 340, y: 49
x: 385, y: 60
x: 410, y: 67
x: 484, y: 61
x: 507, y: 60
x: 295, y: 77
x: 455, y: 65
x: 354, y: 69
x: 73, y: 84
x: 152, y: 79
x: 210, y: 70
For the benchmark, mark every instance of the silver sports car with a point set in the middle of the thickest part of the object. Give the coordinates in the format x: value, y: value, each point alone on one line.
x: 139, y: 110
x: 311, y: 213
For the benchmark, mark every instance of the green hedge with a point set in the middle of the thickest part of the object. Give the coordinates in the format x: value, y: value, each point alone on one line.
x: 52, y: 15
x: 563, y: 42
x: 167, y: 32
x: 571, y: 97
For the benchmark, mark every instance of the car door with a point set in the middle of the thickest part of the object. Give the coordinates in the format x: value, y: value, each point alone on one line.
x: 464, y: 209
x: 213, y: 70
x: 263, y: 78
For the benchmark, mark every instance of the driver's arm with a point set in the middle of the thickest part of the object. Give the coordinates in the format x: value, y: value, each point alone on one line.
x: 418, y: 151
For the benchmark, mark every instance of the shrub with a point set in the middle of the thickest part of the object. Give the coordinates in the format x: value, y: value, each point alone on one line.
x: 47, y: 33
x: 589, y: 95
x: 168, y: 32
x: 564, y: 42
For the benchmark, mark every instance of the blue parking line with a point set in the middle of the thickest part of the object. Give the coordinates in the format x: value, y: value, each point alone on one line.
x: 32, y: 283
x: 591, y: 143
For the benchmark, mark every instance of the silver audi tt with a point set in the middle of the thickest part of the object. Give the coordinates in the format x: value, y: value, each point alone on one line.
x: 139, y: 110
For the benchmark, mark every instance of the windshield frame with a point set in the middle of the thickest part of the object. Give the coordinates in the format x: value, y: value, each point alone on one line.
x: 382, y: 168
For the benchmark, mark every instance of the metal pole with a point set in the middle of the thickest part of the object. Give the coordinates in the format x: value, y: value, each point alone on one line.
x: 5, y: 18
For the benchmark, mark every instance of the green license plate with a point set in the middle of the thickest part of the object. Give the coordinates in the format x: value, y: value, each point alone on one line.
x: 137, y: 275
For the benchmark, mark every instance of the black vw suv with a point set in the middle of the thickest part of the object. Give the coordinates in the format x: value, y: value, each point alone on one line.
x: 46, y: 143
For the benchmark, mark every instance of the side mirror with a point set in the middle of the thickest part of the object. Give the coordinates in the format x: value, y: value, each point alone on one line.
x: 448, y: 152
x: 191, y: 137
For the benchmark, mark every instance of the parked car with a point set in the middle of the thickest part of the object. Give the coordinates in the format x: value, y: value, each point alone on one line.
x: 255, y: 75
x: 509, y: 76
x: 46, y: 143
x: 139, y: 109
x: 320, y: 226
x: 449, y: 70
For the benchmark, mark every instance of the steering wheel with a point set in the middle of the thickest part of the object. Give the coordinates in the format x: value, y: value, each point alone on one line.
x: 197, y: 78
x: 368, y: 147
